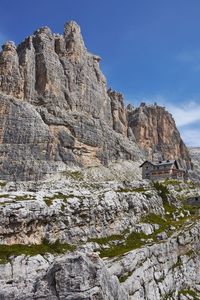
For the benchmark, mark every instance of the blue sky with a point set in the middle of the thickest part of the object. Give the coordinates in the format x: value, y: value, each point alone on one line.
x: 150, y: 49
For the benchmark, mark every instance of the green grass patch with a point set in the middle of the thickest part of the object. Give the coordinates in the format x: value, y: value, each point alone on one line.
x: 4, y: 196
x: 162, y: 190
x: 3, y: 184
x: 192, y: 209
x: 124, y: 277
x: 61, y: 196
x: 133, y: 241
x: 75, y: 175
x: 106, y: 240
x: 48, y: 201
x: 131, y: 190
x: 163, y: 223
x: 6, y: 251
x: 190, y: 293
x: 173, y: 182
x: 24, y: 198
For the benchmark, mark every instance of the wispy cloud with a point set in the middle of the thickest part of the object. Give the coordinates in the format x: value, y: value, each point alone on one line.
x: 185, y: 114
x: 187, y: 118
x: 191, y: 136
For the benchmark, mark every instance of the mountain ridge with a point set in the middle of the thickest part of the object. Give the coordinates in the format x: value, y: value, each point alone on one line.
x: 84, y: 123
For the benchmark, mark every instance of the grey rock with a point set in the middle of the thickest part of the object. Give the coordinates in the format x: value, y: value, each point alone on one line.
x: 72, y: 276
x: 62, y: 82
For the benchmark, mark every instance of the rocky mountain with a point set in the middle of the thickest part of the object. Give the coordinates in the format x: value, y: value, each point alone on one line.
x: 56, y: 111
x: 94, y: 229
x: 155, y: 131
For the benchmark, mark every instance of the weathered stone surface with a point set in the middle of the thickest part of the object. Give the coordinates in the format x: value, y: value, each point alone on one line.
x: 153, y: 272
x: 162, y: 270
x: 80, y: 212
x: 71, y: 277
x: 156, y: 133
x: 195, y: 156
x: 26, y: 147
x: 120, y: 123
x: 85, y: 123
x: 85, y: 204
x: 63, y: 84
x: 11, y: 80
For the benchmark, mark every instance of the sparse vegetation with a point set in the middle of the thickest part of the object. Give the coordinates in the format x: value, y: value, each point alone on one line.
x: 4, y: 196
x: 190, y: 293
x: 170, y: 181
x: 133, y: 241
x: 125, y: 276
x: 75, y: 175
x: 162, y: 190
x: 6, y: 251
x: 106, y: 240
x: 131, y: 190
x: 48, y: 202
x: 24, y: 198
x: 3, y: 184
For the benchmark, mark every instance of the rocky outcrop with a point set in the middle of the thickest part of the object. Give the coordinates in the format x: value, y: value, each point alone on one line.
x: 71, y: 277
x: 167, y: 270
x: 162, y: 271
x: 52, y: 82
x: 156, y: 133
x: 120, y: 123
x: 146, y: 233
x: 195, y: 157
x: 55, y: 108
x: 77, y: 214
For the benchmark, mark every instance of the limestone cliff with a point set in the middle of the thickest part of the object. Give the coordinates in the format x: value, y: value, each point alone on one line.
x: 155, y: 131
x: 55, y: 111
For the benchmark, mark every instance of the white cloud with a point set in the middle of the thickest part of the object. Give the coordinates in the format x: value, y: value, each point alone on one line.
x: 187, y: 118
x: 191, y: 136
x: 185, y: 114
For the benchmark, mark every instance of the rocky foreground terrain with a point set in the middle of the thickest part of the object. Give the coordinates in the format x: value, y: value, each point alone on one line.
x: 76, y: 219
x: 92, y: 234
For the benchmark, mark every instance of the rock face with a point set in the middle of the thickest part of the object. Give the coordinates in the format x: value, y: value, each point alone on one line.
x: 166, y: 270
x: 57, y: 111
x: 156, y: 133
x: 61, y: 279
x: 162, y: 271
x: 195, y: 156
x: 149, y: 240
x: 75, y: 215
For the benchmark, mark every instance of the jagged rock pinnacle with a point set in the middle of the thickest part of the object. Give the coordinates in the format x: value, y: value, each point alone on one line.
x: 73, y: 37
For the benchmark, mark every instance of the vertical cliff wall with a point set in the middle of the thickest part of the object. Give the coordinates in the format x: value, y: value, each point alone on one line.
x: 53, y: 83
x: 155, y: 131
x: 56, y: 111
